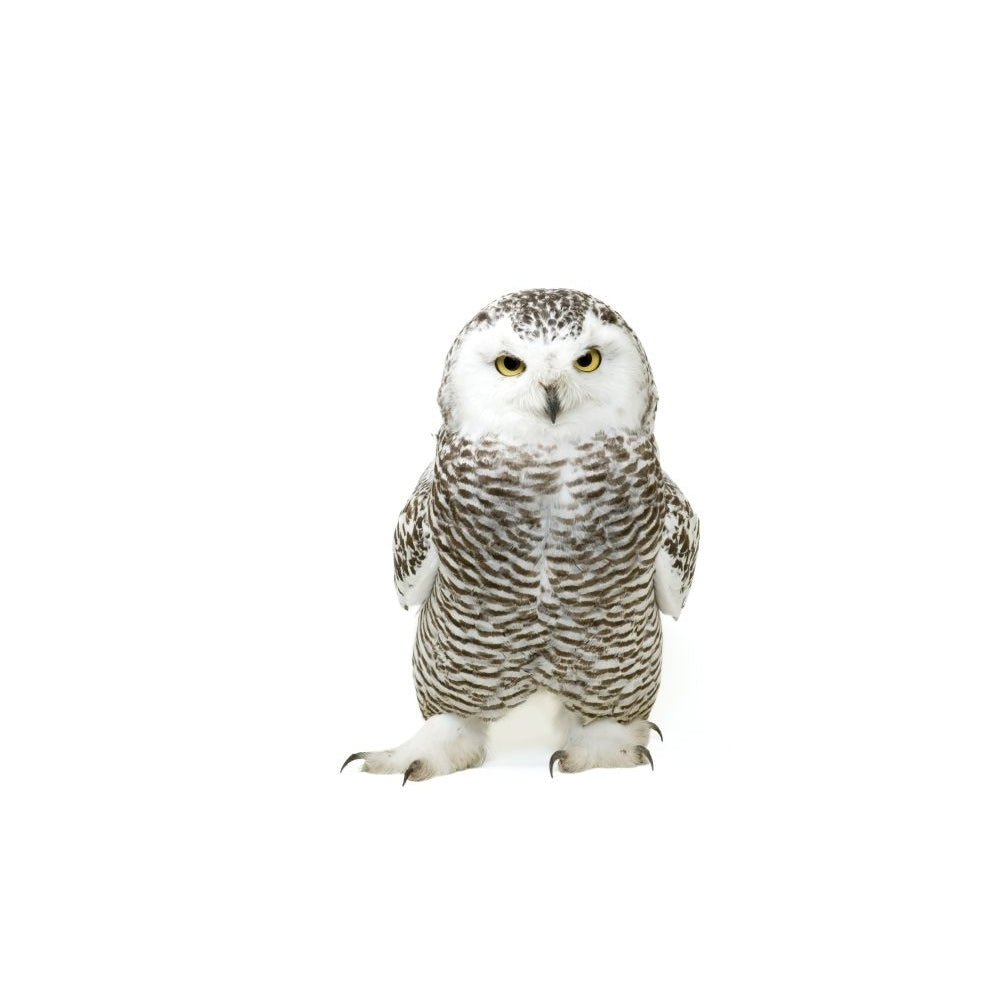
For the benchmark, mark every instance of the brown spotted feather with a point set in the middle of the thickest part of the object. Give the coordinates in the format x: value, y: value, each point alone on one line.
x: 545, y: 578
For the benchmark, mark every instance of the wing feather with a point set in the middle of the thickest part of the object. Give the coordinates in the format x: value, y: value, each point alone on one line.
x: 414, y: 558
x: 675, y: 561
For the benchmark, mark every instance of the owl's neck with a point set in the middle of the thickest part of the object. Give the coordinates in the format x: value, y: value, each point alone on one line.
x: 545, y: 437
x: 529, y: 428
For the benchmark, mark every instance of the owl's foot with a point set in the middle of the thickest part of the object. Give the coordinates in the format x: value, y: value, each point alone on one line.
x: 443, y: 745
x: 605, y: 743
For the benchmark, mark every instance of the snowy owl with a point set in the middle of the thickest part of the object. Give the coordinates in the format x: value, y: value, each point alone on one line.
x: 543, y: 541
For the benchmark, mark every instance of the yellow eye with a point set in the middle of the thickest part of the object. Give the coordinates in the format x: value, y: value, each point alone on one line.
x: 588, y: 361
x: 507, y: 364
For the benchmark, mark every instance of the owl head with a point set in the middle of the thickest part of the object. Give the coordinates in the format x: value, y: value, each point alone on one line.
x: 547, y: 365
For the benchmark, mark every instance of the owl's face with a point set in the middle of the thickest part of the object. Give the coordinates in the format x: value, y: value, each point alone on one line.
x: 549, y: 380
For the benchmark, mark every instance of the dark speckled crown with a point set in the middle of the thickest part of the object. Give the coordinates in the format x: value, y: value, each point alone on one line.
x: 548, y: 313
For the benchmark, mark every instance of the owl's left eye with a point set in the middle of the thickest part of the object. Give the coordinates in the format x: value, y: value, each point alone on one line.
x: 507, y: 364
x: 589, y: 361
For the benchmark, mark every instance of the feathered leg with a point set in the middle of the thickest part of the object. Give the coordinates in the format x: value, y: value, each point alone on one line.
x: 443, y: 745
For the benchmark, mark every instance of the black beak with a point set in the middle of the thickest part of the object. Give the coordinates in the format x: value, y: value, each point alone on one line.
x: 552, y: 402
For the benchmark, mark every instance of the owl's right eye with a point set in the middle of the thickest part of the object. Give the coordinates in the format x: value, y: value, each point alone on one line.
x: 507, y: 364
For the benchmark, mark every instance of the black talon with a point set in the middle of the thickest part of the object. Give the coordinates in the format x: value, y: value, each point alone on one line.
x: 643, y: 752
x: 558, y: 755
x: 354, y: 756
x: 656, y: 729
x: 408, y: 773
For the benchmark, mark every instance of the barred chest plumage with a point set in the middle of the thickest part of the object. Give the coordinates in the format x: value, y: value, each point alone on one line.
x: 546, y: 565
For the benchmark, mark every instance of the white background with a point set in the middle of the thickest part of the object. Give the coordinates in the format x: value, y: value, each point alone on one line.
x: 237, y: 241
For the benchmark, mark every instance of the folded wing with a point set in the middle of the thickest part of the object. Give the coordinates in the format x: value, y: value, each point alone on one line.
x: 414, y: 558
x: 674, y: 568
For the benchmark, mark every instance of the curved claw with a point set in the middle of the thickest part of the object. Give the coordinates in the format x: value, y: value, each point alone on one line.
x: 643, y: 752
x: 408, y: 773
x: 558, y: 755
x: 354, y: 756
x: 656, y: 729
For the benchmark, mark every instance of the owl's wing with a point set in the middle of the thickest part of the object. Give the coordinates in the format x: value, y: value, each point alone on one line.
x: 674, y: 567
x: 414, y: 557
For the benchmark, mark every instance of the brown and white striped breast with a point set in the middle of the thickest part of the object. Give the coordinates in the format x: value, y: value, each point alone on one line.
x: 545, y: 578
